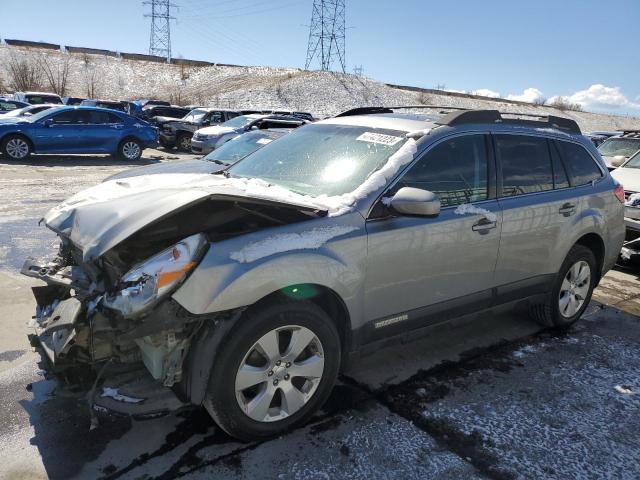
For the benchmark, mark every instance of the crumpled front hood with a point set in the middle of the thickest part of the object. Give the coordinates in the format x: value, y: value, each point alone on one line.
x: 180, y: 166
x: 99, y: 218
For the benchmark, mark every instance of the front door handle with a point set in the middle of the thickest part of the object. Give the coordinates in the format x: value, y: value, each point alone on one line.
x: 483, y: 225
x: 567, y: 209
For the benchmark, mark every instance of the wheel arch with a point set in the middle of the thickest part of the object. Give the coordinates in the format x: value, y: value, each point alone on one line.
x: 202, y: 353
x: 18, y: 134
x: 595, y: 243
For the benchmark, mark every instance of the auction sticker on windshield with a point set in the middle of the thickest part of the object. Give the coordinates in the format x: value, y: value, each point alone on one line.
x: 372, y: 137
x: 264, y: 141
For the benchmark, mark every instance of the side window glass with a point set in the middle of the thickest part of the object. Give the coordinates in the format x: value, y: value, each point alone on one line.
x: 581, y: 166
x: 215, y: 117
x: 455, y: 170
x: 560, y: 179
x: 95, y: 117
x: 526, y: 164
x: 66, y: 118
x: 113, y: 118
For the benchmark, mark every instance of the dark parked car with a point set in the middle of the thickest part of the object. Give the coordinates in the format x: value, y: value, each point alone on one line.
x: 37, y: 98
x: 110, y: 104
x: 221, y: 158
x: 145, y: 103
x: 76, y: 130
x: 10, y: 105
x: 159, y: 114
x: 72, y: 101
x: 178, y: 133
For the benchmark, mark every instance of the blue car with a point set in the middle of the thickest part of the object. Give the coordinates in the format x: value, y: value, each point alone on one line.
x: 77, y: 130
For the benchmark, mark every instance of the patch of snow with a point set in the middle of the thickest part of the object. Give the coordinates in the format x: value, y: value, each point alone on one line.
x: 284, y: 242
x: 633, y: 200
x: 624, y: 389
x: 526, y: 350
x: 469, y: 209
x: 113, y: 393
x: 419, y: 133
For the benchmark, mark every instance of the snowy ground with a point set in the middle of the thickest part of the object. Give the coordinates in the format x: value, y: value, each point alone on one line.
x: 488, y: 397
x: 322, y: 93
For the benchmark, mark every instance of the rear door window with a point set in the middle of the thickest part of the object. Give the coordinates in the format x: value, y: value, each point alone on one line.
x: 70, y: 117
x: 580, y: 164
x: 455, y: 170
x: 526, y: 164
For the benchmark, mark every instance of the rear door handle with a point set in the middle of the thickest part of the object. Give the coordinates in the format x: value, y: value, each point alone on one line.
x: 483, y: 225
x: 567, y: 209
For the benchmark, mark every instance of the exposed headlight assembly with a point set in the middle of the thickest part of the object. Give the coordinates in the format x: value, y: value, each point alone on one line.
x: 150, y: 281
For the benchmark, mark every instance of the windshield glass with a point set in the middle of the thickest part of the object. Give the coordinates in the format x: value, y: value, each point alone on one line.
x: 322, y: 158
x: 38, y: 99
x: 634, y: 162
x: 194, y: 115
x: 243, y: 145
x: 239, y: 122
x: 620, y: 146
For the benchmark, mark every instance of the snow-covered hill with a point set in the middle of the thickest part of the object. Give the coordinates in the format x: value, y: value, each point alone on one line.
x: 322, y: 93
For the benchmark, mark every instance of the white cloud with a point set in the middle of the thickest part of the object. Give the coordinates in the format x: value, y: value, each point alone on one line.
x: 601, y: 97
x: 530, y: 95
x: 485, y: 92
x: 453, y: 90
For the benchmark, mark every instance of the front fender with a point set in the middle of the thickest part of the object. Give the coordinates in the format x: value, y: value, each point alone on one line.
x: 221, y: 283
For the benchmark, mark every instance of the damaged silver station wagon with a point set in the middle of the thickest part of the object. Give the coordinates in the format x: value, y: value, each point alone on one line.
x: 247, y: 291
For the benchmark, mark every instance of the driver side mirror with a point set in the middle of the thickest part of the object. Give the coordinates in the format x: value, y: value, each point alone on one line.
x: 47, y: 123
x: 415, y: 201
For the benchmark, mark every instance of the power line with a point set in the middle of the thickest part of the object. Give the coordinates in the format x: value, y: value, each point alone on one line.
x: 327, y: 34
x: 160, y: 37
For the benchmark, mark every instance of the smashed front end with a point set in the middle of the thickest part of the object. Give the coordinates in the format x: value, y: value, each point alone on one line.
x: 108, y: 325
x: 97, y: 323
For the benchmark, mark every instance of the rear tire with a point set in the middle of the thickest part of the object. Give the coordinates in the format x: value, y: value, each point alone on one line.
x: 130, y: 149
x: 289, y: 386
x: 16, y: 147
x: 571, y: 291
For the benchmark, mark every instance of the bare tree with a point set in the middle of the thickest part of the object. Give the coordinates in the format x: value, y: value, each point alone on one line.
x: 23, y: 73
x: 540, y: 101
x: 56, y: 73
x: 563, y: 103
x: 92, y: 78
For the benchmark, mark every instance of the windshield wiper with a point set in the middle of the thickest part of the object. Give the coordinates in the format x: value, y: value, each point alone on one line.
x: 220, y: 162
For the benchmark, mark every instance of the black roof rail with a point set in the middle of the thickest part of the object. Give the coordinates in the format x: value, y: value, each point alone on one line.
x: 374, y: 110
x: 494, y: 116
x: 364, y: 111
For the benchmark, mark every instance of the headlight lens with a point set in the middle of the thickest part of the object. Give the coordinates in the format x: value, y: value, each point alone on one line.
x: 156, y: 277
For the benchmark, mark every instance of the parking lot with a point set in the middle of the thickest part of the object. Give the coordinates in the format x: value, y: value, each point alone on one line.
x: 490, y: 396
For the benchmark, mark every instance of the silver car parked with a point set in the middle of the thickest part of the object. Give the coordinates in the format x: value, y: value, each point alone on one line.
x: 249, y: 290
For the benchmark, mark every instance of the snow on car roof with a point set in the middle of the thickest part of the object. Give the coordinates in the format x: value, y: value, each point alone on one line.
x: 407, y: 122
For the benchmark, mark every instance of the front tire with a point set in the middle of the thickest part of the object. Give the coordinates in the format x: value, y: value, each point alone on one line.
x: 274, y: 370
x: 571, y: 292
x: 184, y: 142
x: 130, y: 149
x: 16, y: 147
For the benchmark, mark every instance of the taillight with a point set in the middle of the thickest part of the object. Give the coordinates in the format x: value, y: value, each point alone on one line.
x: 619, y: 193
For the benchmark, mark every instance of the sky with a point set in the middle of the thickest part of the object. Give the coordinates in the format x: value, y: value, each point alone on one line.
x: 585, y: 50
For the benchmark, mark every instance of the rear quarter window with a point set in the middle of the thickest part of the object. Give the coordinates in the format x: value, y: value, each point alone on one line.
x: 581, y: 166
x: 526, y: 164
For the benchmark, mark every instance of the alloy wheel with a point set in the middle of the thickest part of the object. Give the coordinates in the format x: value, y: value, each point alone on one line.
x: 280, y: 373
x: 17, y: 148
x: 131, y: 150
x: 574, y: 289
x: 185, y: 143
